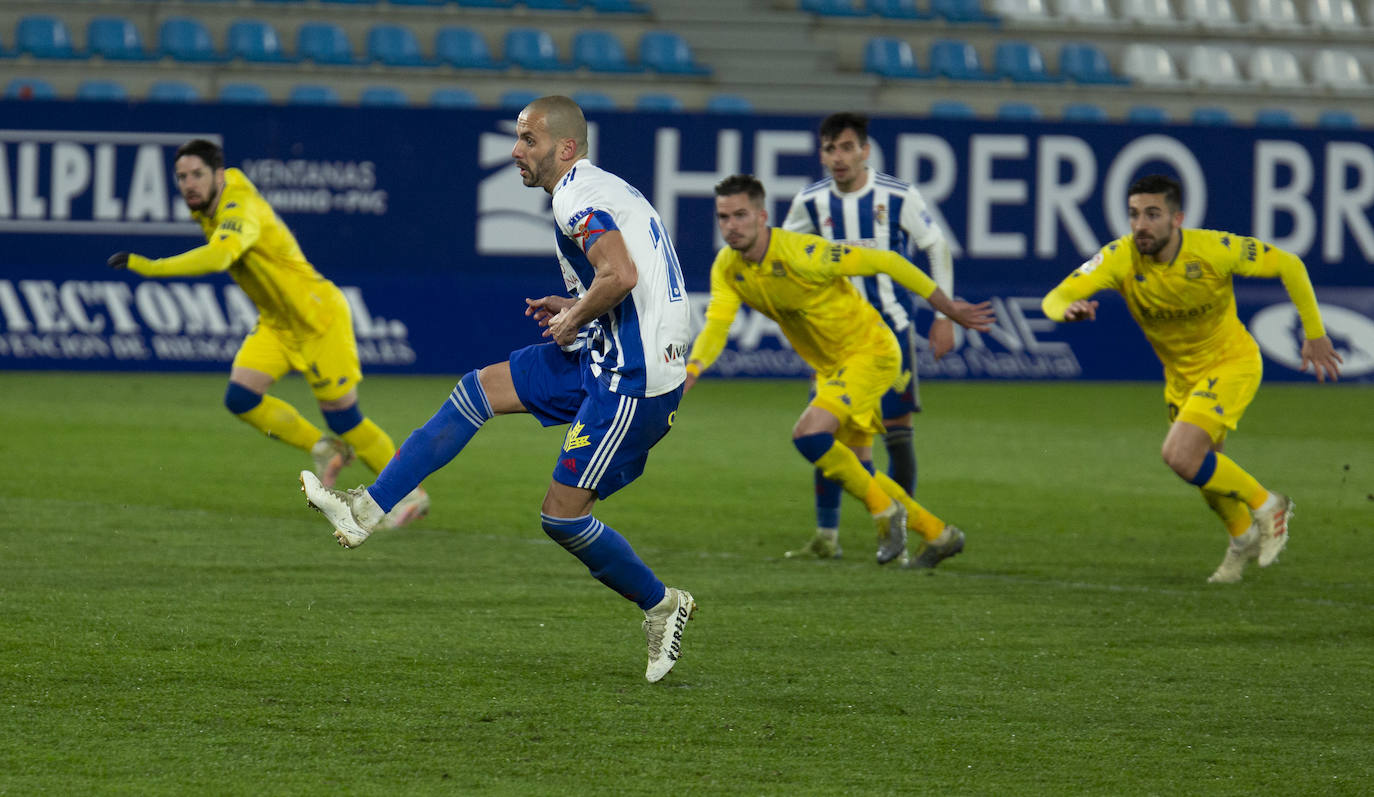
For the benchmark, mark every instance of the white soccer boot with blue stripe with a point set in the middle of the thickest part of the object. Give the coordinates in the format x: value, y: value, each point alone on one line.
x: 353, y: 513
x: 663, y: 627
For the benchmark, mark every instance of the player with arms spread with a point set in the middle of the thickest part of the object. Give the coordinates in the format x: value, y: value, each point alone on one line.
x: 614, y: 370
x: 859, y: 206
x: 802, y: 282
x: 1177, y: 283
x: 304, y: 323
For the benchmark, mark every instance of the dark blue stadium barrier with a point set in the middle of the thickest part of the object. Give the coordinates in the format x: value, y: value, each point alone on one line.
x: 421, y: 213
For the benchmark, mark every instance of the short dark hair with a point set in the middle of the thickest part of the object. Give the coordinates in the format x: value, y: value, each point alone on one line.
x: 207, y: 151
x: 742, y: 184
x: 836, y: 123
x: 1159, y: 184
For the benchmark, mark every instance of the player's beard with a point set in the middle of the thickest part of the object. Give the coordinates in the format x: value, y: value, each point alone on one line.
x: 205, y: 204
x: 535, y: 171
x: 1154, y: 245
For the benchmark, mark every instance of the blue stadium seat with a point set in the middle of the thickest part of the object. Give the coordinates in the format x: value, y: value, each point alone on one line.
x: 383, y: 95
x: 897, y: 9
x: 243, y: 94
x: 1338, y: 120
x: 324, y: 43
x: 1019, y: 112
x: 552, y: 5
x: 29, y: 88
x: 593, y: 100
x: 962, y: 11
x: 728, y: 103
x: 352, y: 2
x: 486, y: 3
x: 891, y: 57
x: 517, y: 99
x: 668, y: 53
x: 1084, y: 112
x: 601, y: 51
x: 453, y: 98
x: 172, y: 91
x: 43, y: 36
x: 115, y: 39
x: 1147, y: 115
x: 957, y: 60
x: 618, y: 6
x: 309, y: 94
x: 1085, y: 63
x: 1212, y: 116
x: 417, y: 2
x: 833, y: 8
x: 464, y: 48
x: 186, y: 39
x: 654, y: 102
x: 257, y: 42
x: 102, y: 90
x: 1274, y: 117
x: 951, y: 109
x: 533, y: 49
x: 1021, y: 62
x: 394, y: 45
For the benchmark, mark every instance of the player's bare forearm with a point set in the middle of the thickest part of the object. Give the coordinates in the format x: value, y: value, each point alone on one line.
x: 545, y: 308
x: 941, y: 337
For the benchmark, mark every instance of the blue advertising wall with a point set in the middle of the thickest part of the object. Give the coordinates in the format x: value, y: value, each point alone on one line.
x: 421, y: 216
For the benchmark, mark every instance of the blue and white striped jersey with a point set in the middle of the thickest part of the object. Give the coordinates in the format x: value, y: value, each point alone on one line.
x: 639, y: 347
x: 885, y: 213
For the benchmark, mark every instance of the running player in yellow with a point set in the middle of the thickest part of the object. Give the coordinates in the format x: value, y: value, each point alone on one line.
x: 802, y: 282
x: 304, y: 323
x: 1177, y: 283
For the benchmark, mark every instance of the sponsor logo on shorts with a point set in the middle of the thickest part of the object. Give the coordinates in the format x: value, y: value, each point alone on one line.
x: 576, y: 439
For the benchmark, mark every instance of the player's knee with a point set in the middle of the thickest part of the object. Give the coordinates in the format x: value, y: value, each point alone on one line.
x: 239, y: 399
x: 341, y: 421
x: 814, y: 446
x: 1180, y: 460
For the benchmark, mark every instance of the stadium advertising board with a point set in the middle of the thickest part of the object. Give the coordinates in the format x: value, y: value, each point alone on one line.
x: 421, y: 217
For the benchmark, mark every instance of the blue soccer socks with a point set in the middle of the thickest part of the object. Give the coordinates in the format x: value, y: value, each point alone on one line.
x: 435, y: 444
x: 608, y: 556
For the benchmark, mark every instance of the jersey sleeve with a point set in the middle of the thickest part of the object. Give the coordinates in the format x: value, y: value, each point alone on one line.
x: 1255, y: 258
x: 858, y: 261
x: 720, y: 314
x: 582, y: 217
x: 1100, y: 273
x: 235, y: 234
x: 798, y: 219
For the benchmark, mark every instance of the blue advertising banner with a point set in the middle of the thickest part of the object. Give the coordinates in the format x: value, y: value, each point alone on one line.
x: 421, y: 216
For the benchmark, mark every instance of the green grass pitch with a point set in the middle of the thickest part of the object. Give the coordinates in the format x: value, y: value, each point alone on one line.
x: 174, y: 620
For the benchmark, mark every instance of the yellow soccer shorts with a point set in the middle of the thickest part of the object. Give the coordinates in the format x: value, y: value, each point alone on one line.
x: 1217, y: 401
x: 853, y: 392
x: 328, y: 359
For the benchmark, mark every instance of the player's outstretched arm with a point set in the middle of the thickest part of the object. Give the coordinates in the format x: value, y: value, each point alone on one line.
x: 970, y: 316
x: 1323, y: 357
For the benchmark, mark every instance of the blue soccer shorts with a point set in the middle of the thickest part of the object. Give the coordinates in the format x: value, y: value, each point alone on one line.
x: 610, y: 434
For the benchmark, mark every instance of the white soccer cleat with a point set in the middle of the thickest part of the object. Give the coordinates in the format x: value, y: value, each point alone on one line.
x: 891, y: 523
x: 1239, y: 552
x: 1272, y: 521
x: 409, y: 509
x: 331, y: 456
x: 949, y: 543
x: 663, y: 627
x: 825, y: 545
x: 353, y: 513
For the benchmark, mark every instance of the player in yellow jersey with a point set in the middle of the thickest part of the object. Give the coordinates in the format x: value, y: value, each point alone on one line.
x: 304, y: 323
x: 1178, y: 286
x: 802, y: 282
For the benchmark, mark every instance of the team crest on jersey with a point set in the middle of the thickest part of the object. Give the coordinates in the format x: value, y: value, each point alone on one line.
x: 575, y: 438
x: 880, y: 214
x: 779, y: 268
x: 1192, y: 270
x: 1091, y: 265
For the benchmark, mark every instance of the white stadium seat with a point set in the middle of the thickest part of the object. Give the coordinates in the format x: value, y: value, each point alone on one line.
x: 1338, y: 70
x: 1149, y: 13
x: 1334, y: 15
x: 1024, y: 12
x: 1093, y: 13
x: 1211, y: 14
x: 1276, y: 15
x: 1213, y: 66
x: 1276, y: 68
x: 1150, y: 65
